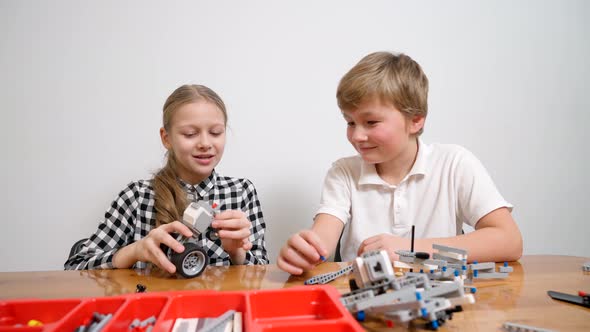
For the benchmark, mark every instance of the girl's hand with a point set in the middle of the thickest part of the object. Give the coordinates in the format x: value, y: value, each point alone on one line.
x: 233, y: 228
x: 388, y: 242
x: 302, y: 252
x: 148, y: 248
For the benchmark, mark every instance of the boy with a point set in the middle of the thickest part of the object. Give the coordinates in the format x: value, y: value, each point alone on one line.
x: 398, y: 181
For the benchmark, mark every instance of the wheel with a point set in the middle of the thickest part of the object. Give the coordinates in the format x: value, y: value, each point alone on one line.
x: 191, y: 262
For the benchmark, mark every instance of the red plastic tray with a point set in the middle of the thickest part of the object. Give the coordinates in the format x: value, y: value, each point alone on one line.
x: 310, y: 308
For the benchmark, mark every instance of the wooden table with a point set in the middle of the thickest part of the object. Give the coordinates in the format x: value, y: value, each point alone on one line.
x: 521, y: 298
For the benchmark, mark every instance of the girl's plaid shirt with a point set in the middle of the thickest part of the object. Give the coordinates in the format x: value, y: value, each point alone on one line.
x: 132, y: 215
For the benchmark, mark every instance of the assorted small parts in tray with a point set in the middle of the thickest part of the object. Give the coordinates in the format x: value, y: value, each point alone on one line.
x: 315, y: 308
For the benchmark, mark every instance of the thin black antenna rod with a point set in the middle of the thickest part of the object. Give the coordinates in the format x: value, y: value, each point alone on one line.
x: 412, y: 248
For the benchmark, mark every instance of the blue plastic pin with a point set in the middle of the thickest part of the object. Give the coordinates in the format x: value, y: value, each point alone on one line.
x: 360, y: 316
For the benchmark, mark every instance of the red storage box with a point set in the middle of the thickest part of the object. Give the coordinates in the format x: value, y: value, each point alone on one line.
x: 312, y: 308
x: 20, y: 312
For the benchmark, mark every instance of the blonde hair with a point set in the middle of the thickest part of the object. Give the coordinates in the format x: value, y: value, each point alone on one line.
x: 170, y: 200
x: 393, y: 78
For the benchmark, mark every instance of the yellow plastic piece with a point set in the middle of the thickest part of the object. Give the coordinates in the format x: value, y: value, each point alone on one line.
x: 34, y: 322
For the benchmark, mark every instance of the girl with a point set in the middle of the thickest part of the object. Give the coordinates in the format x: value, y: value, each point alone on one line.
x: 147, y: 211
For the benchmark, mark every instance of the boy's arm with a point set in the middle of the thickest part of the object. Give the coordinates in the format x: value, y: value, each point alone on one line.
x: 328, y: 228
x: 496, y: 238
x: 479, y: 203
x: 303, y: 250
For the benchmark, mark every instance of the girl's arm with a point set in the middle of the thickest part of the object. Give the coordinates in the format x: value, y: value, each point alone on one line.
x: 114, y: 232
x: 113, y: 245
x: 148, y: 248
x: 251, y: 207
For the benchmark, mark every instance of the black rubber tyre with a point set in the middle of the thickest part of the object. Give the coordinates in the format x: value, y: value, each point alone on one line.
x: 191, y: 262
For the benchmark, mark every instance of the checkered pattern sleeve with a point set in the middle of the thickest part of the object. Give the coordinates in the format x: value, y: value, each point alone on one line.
x: 251, y: 206
x: 114, y: 232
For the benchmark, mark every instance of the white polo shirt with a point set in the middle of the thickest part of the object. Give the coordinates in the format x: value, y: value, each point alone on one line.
x: 446, y: 187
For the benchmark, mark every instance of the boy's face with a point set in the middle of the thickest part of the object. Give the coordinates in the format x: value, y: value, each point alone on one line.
x: 197, y: 137
x: 379, y: 132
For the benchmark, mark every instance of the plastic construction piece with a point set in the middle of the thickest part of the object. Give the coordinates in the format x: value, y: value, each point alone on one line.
x: 140, y: 288
x: 415, y: 254
x: 327, y: 277
x: 450, y: 262
x: 194, y: 259
x: 443, y: 265
x: 143, y: 325
x: 412, y: 239
x: 238, y: 322
x: 220, y: 323
x: 514, y: 327
x: 487, y: 270
x: 582, y: 298
x: 97, y: 323
x: 442, y: 248
x: 199, y: 215
x: 225, y: 322
x: 432, y: 295
x: 505, y: 268
x: 405, y: 299
x: 186, y: 324
x: 371, y: 268
x: 310, y: 309
x: 586, y: 267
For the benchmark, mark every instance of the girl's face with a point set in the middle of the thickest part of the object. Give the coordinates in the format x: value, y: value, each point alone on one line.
x: 197, y: 138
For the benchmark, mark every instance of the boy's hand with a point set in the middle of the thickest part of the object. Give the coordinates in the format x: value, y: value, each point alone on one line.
x: 388, y: 242
x: 148, y: 248
x: 302, y: 252
x: 233, y: 228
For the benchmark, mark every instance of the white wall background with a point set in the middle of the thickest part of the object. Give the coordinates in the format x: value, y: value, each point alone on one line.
x: 82, y: 85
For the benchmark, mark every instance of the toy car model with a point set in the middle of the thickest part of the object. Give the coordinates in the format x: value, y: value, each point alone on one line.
x: 194, y: 259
